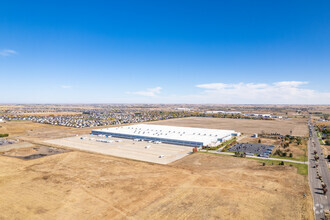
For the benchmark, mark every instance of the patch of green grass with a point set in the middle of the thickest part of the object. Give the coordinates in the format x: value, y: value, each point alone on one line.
x: 299, y: 158
x: 210, y: 152
x: 227, y: 144
x: 321, y: 142
x: 223, y: 144
x: 302, y: 169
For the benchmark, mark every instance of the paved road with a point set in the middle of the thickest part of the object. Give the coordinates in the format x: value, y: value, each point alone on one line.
x: 262, y: 158
x: 321, y: 202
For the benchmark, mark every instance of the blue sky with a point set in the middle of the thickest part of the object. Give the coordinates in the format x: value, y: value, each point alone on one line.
x: 246, y: 52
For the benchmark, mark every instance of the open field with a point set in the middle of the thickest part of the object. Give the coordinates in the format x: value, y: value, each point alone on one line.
x: 126, y: 148
x: 37, y: 132
x: 298, y: 126
x: 326, y: 149
x: 33, y: 152
x: 78, y: 185
x: 324, y: 123
x: 8, y: 147
x: 18, y: 128
x: 299, y: 152
x: 81, y: 185
x: 268, y: 141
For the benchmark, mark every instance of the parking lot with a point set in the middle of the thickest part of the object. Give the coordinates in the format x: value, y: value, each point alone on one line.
x: 126, y: 148
x: 249, y: 149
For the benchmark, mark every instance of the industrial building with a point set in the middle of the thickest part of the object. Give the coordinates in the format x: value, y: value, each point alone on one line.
x: 194, y: 137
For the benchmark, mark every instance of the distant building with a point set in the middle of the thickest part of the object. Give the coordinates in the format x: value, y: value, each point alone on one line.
x: 214, y: 112
x: 223, y: 112
x: 183, y: 109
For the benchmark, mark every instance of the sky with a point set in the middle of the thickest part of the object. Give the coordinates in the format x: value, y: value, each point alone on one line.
x: 191, y: 52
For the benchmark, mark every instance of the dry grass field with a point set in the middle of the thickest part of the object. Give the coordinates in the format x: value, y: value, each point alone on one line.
x: 37, y: 132
x: 29, y: 152
x: 78, y: 185
x: 25, y: 128
x: 8, y: 147
x: 323, y: 123
x: 298, y: 126
x: 81, y: 185
x: 268, y: 141
x: 326, y: 150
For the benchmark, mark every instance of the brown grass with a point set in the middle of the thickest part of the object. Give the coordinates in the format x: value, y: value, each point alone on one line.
x: 19, y: 128
x: 298, y: 126
x: 37, y: 132
x: 323, y: 123
x: 326, y: 150
x: 268, y: 141
x: 78, y: 185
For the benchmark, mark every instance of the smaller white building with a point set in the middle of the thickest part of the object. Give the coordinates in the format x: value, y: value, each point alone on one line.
x: 183, y: 109
x: 223, y: 112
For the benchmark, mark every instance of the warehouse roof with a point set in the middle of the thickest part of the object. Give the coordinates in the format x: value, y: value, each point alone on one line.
x: 204, y: 135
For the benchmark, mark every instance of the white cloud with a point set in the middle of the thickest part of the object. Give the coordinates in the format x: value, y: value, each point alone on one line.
x: 290, y: 83
x: 151, y: 92
x: 214, y: 86
x: 285, y: 92
x: 66, y: 87
x: 7, y: 52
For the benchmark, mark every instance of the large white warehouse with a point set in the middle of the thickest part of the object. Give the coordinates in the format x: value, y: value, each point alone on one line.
x: 195, y: 137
